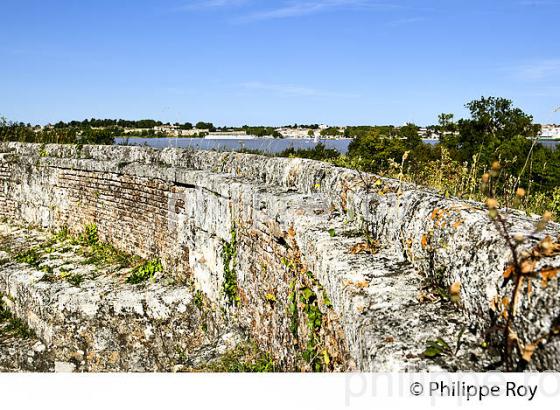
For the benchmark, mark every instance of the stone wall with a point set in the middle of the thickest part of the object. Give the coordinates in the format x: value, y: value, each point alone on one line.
x: 297, y: 237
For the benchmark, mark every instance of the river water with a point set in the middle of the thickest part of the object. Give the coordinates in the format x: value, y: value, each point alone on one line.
x: 271, y: 145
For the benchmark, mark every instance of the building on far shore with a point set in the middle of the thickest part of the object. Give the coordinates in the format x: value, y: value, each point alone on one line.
x: 229, y: 135
x: 306, y: 132
x: 550, y: 131
x: 288, y: 132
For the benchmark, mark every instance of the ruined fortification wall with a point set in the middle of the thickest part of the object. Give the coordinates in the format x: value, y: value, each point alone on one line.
x: 288, y: 232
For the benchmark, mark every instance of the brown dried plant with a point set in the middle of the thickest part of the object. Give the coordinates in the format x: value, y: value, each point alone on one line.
x: 516, y: 354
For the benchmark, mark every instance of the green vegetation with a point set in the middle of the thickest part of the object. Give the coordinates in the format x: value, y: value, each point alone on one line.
x: 229, y: 256
x: 293, y: 310
x: 296, y: 126
x: 496, y: 131
x: 331, y: 132
x: 303, y: 310
x: 145, y: 272
x: 362, y: 130
x: 75, y: 279
x: 102, y: 123
x: 89, y: 131
x: 30, y: 256
x: 438, y: 347
x: 185, y: 126
x: 245, y: 358
x: 68, y: 134
x: 11, y: 325
x: 319, y: 152
x: 97, y: 252
x: 308, y: 299
x: 198, y: 299
x: 201, y: 125
x: 261, y: 131
x: 89, y: 235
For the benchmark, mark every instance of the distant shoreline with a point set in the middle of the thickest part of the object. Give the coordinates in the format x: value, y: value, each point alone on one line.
x: 233, y: 137
x: 252, y: 137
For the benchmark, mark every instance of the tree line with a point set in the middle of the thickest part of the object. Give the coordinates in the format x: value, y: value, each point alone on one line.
x: 495, y: 132
x: 497, y: 140
x: 120, y: 123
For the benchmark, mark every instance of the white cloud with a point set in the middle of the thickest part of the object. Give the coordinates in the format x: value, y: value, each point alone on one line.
x: 292, y: 90
x: 304, y: 8
x: 211, y: 4
x: 405, y: 21
x: 287, y: 8
x: 539, y: 3
x: 540, y: 70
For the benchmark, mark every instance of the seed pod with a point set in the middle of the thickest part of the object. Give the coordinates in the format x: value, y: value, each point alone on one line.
x: 455, y: 288
x: 491, y: 203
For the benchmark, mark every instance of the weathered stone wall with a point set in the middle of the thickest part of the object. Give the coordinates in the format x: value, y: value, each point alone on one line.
x: 288, y: 229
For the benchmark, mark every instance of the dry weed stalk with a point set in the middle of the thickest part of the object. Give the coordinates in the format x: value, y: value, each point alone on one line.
x: 523, y: 269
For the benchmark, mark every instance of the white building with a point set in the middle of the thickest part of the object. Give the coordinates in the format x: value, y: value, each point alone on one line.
x: 550, y: 131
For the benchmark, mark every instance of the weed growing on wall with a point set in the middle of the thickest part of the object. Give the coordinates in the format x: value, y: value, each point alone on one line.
x: 244, y: 358
x: 198, y: 299
x: 30, y: 256
x: 89, y: 235
x: 145, y: 272
x: 95, y: 252
x: 229, y: 257
x: 293, y: 310
x: 306, y: 305
x: 314, y: 320
x: 11, y: 325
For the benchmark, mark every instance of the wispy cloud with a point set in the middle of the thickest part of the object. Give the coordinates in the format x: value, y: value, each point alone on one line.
x: 304, y: 8
x: 291, y: 90
x: 546, y: 92
x: 540, y: 70
x: 535, y: 3
x: 211, y: 4
x: 284, y: 9
x: 405, y: 21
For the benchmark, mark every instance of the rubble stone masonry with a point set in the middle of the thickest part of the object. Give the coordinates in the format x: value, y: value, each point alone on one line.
x: 324, y: 268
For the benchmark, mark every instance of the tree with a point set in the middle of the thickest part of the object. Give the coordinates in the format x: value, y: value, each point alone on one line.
x: 410, y: 135
x: 319, y: 152
x: 186, y: 126
x: 201, y: 125
x: 445, y: 120
x: 374, y: 150
x: 493, y: 122
x: 331, y: 131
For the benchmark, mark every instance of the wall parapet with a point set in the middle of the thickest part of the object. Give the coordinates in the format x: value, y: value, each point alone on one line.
x: 372, y: 251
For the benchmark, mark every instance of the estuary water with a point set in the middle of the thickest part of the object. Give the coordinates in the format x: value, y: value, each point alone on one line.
x: 271, y: 145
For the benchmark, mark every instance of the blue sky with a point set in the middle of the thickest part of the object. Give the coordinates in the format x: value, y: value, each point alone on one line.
x: 276, y: 61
